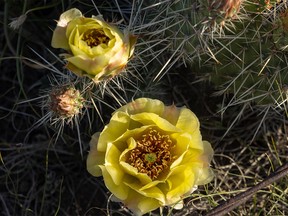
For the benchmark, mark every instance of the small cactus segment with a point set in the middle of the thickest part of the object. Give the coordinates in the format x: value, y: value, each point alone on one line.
x: 65, y: 102
x: 252, y: 64
x: 240, y: 45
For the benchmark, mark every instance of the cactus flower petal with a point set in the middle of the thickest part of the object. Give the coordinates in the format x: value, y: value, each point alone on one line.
x: 94, y: 47
x: 151, y: 155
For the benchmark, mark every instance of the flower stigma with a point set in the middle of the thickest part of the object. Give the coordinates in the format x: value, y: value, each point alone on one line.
x: 152, y: 154
x: 94, y: 37
x: 150, y: 157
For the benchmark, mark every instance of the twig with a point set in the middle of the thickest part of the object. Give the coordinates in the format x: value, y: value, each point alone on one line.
x: 241, y: 198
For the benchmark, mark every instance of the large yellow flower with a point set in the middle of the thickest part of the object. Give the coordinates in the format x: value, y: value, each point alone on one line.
x: 95, y: 48
x: 151, y: 155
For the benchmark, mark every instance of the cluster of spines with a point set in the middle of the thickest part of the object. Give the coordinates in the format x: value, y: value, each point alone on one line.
x: 240, y: 46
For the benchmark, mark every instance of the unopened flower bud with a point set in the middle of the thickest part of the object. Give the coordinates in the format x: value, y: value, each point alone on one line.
x: 66, y: 102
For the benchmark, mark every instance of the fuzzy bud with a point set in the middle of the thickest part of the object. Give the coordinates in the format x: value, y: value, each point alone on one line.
x: 65, y: 102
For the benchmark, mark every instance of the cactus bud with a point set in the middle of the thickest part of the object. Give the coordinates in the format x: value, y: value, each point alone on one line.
x: 65, y: 102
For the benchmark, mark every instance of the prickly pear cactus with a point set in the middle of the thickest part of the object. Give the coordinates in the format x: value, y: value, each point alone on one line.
x: 252, y: 63
x: 240, y: 46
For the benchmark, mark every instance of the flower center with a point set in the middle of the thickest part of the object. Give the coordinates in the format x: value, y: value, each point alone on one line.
x: 94, y: 37
x: 150, y: 157
x: 152, y: 154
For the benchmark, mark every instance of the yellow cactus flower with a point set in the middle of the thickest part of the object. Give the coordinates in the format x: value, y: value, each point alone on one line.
x: 95, y: 48
x: 151, y: 155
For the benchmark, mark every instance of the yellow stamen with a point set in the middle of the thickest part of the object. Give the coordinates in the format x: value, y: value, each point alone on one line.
x: 152, y: 154
x: 94, y: 37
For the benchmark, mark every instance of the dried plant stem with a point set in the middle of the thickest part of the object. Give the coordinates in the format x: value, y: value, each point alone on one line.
x: 241, y: 198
